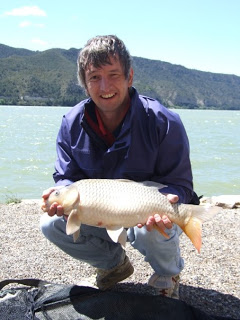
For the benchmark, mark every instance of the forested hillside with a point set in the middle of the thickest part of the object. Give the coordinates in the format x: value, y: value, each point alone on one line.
x: 50, y: 78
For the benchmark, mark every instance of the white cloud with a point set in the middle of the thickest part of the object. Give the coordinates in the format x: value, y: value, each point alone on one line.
x: 39, y: 25
x: 26, y: 11
x: 39, y: 41
x: 25, y: 24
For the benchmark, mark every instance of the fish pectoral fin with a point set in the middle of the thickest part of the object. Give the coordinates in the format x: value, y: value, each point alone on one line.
x: 73, y: 222
x: 117, y: 234
x: 193, y: 229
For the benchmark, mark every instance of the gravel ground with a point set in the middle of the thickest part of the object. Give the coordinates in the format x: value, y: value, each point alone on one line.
x: 210, y: 281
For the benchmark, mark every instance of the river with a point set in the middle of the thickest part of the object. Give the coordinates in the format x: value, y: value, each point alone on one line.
x: 27, y: 150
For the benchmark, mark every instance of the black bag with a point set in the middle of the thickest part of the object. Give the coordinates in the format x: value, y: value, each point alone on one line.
x: 42, y: 300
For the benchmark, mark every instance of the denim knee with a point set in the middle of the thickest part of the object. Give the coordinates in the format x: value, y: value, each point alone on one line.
x: 163, y: 254
x: 52, y: 226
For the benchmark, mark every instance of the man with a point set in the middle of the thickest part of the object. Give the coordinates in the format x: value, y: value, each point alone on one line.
x: 117, y: 133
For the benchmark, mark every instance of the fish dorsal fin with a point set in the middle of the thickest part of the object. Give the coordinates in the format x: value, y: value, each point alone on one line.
x: 146, y: 183
x: 73, y: 222
x: 117, y: 234
x: 153, y: 184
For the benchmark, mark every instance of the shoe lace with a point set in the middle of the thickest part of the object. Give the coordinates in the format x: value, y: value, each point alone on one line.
x: 163, y: 292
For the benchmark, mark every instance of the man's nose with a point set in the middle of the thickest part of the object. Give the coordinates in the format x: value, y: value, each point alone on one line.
x: 104, y: 84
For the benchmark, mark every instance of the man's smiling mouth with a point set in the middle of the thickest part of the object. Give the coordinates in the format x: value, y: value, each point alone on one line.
x: 107, y: 96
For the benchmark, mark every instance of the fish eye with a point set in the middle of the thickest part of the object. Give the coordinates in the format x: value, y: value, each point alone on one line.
x: 57, y: 193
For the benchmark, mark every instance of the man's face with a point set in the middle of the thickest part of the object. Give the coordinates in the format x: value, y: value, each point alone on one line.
x: 107, y: 86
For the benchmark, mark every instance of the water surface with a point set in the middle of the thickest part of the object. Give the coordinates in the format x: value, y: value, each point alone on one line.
x: 27, y: 149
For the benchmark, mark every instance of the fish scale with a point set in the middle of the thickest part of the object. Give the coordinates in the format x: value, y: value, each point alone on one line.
x: 118, y: 202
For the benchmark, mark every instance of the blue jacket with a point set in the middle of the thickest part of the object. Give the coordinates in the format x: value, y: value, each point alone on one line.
x: 151, y: 144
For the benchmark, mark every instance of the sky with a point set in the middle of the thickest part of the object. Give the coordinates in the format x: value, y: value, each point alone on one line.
x: 202, y: 35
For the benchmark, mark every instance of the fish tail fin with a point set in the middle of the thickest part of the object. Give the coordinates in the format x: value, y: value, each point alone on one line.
x: 193, y: 228
x: 204, y: 212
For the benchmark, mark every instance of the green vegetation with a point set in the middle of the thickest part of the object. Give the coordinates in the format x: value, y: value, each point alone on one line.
x: 12, y: 198
x: 50, y: 78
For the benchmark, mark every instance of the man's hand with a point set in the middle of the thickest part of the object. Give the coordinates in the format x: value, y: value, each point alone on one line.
x: 162, y: 222
x: 55, y: 208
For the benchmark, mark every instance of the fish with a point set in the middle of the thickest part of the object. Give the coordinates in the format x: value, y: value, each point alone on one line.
x: 118, y: 204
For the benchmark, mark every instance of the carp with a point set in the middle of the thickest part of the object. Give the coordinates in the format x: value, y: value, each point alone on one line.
x: 116, y: 204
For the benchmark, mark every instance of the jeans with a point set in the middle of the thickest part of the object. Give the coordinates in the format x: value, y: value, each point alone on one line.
x: 95, y: 247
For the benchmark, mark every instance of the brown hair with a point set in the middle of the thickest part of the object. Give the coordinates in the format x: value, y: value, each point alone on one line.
x: 98, y: 51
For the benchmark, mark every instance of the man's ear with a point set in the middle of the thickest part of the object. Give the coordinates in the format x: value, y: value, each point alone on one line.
x: 130, y: 77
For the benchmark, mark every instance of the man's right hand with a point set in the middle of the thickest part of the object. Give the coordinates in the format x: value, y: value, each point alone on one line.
x: 55, y: 208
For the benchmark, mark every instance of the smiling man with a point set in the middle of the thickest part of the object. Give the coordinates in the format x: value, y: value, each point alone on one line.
x: 118, y: 134
x: 108, y: 87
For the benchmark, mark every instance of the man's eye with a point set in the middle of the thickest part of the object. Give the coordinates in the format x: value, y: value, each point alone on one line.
x: 94, y: 78
x: 115, y: 75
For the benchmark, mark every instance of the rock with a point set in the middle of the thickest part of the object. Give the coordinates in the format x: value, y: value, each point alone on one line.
x: 224, y: 201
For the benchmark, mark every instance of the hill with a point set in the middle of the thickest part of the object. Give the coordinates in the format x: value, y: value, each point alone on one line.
x: 50, y: 78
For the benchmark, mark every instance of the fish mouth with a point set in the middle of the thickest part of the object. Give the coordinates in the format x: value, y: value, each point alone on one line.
x: 44, y: 206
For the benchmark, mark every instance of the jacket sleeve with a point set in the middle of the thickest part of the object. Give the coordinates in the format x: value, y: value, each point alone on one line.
x: 66, y: 169
x: 173, y: 167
